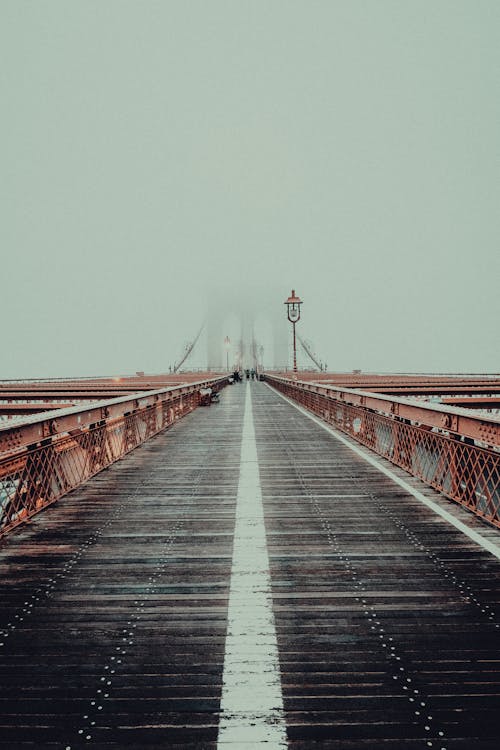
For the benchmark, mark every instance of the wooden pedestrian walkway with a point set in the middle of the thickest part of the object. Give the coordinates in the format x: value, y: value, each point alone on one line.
x: 114, y: 601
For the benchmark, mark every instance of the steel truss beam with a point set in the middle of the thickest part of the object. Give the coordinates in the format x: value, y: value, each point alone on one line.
x: 406, y: 384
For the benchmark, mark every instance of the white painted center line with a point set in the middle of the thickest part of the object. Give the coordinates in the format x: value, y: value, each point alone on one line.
x: 252, y: 701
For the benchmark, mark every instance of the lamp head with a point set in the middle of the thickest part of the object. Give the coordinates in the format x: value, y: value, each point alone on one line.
x: 293, y: 304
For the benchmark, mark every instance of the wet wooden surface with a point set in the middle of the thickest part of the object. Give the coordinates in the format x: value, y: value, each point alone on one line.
x: 387, y: 616
x: 114, y: 601
x: 118, y: 595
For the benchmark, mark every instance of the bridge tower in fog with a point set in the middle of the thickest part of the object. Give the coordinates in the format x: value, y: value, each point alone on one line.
x: 260, y: 322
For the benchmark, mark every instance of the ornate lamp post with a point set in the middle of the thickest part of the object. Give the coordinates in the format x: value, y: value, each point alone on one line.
x: 293, y: 304
x: 227, y: 344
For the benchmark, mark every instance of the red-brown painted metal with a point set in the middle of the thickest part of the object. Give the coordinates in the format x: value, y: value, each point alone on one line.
x: 66, y: 394
x: 472, y: 402
x: 48, y: 455
x: 405, y: 384
x: 78, y: 389
x: 20, y: 409
x: 118, y: 381
x: 448, y: 448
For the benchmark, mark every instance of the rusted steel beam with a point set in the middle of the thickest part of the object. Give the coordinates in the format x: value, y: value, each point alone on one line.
x: 405, y: 384
x: 450, y: 449
x: 424, y: 390
x: 396, y: 378
x: 82, y: 388
x: 20, y: 409
x: 50, y: 454
x: 473, y: 402
x: 103, y: 389
x: 72, y: 395
x: 143, y: 382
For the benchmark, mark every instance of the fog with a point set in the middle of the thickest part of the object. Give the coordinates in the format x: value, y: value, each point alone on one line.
x: 158, y: 153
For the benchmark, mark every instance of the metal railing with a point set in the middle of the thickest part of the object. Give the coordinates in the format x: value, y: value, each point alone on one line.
x: 451, y: 450
x: 51, y: 454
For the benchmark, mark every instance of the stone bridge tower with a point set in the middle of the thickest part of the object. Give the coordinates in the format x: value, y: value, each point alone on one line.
x: 247, y: 307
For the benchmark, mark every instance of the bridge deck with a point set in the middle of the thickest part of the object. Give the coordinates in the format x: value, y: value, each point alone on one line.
x: 115, y: 600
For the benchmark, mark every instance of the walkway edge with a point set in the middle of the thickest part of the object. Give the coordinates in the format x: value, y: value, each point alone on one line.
x: 361, y: 452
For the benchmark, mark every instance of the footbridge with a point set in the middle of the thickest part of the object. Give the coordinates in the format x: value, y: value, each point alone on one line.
x: 308, y: 561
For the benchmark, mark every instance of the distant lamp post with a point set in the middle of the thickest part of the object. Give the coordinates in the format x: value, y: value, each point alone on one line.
x: 227, y: 344
x: 293, y: 304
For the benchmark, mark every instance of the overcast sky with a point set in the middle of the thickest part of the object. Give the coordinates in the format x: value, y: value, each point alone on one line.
x: 348, y: 149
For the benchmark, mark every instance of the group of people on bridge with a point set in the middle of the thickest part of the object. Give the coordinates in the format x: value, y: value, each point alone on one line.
x: 208, y: 395
x: 238, y: 375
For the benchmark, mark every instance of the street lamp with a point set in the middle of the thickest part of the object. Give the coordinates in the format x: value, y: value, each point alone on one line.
x: 227, y: 344
x: 293, y: 304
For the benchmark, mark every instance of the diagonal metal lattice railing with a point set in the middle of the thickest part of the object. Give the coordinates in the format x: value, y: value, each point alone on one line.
x: 51, y: 454
x: 449, y: 449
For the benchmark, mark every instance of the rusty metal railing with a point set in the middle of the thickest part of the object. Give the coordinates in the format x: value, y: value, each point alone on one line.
x: 51, y: 454
x: 453, y: 451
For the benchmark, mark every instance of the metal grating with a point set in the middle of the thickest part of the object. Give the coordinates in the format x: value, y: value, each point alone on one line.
x: 449, y: 462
